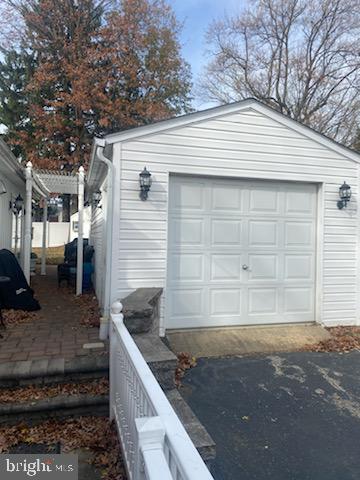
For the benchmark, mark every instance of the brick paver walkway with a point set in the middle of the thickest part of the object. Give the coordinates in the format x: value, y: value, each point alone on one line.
x: 56, y: 331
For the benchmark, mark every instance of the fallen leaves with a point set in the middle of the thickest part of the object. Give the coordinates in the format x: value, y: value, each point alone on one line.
x: 90, y: 311
x: 185, y: 362
x: 343, y: 339
x: 33, y: 392
x: 96, y: 434
x: 17, y: 317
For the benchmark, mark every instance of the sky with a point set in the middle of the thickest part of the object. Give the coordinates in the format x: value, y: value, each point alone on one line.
x: 197, y: 15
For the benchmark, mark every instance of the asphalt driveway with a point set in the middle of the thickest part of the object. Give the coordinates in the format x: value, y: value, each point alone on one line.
x: 292, y: 416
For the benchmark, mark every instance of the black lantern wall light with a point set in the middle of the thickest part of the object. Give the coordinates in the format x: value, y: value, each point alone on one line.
x: 17, y: 205
x: 145, y: 183
x: 345, y: 195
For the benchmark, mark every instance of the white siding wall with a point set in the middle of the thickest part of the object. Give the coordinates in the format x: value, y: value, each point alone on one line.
x: 7, y: 219
x: 98, y: 241
x: 242, y: 145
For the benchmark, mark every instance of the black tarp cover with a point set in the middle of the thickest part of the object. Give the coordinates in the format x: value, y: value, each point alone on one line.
x: 17, y: 293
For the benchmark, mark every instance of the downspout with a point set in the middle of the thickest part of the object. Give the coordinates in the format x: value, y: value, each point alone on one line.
x: 109, y: 223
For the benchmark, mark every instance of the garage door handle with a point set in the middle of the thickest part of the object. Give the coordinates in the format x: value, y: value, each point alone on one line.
x: 245, y: 267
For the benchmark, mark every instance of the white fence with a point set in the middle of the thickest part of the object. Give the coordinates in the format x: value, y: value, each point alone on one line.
x: 154, y: 442
x: 57, y: 234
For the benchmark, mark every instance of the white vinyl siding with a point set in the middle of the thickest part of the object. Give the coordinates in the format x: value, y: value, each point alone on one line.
x: 7, y: 218
x: 246, y: 145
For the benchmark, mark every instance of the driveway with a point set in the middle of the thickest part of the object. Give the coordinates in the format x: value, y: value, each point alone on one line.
x: 293, y: 416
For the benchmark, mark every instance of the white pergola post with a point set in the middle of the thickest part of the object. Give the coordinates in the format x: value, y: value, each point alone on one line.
x: 28, y: 213
x: 79, y: 266
x: 44, y: 232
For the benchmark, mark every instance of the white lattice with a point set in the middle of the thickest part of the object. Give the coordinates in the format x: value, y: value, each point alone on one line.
x: 154, y: 442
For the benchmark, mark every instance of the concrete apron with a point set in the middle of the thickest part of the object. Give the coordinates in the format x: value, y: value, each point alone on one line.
x: 219, y: 342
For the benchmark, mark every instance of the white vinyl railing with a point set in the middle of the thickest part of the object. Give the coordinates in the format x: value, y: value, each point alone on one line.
x: 154, y: 442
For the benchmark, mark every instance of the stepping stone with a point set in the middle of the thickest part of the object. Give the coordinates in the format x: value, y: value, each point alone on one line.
x: 88, y: 346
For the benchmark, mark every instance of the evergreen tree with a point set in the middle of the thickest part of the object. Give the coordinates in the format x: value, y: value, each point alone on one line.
x: 16, y: 70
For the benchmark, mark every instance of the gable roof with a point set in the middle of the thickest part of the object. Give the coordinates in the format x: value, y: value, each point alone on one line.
x: 223, y: 110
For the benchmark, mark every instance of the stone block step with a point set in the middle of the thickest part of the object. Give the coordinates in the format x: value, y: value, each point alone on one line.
x: 50, y: 371
x: 58, y: 407
x: 161, y: 360
x: 141, y: 309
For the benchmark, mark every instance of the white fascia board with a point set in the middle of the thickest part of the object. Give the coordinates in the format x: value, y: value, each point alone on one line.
x: 216, y: 112
x: 12, y: 164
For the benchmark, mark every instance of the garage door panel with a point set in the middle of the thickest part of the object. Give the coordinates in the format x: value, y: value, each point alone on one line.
x: 298, y: 300
x: 187, y: 302
x: 226, y: 232
x: 187, y: 267
x: 299, y: 267
x: 225, y: 267
x: 264, y: 201
x: 263, y: 301
x: 263, y: 267
x: 187, y: 232
x: 226, y: 197
x: 300, y: 202
x: 188, y: 196
x: 240, y: 252
x: 299, y: 234
x: 225, y: 302
x: 262, y: 233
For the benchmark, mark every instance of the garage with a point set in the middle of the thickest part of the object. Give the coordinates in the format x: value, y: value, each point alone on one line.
x: 239, y: 218
x: 241, y: 252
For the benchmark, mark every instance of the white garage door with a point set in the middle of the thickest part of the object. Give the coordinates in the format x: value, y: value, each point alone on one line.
x: 240, y: 252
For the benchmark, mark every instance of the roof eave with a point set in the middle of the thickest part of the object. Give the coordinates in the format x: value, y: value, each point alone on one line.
x: 11, y: 161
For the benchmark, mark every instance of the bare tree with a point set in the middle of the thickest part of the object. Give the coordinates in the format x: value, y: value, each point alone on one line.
x: 301, y: 57
x: 11, y: 26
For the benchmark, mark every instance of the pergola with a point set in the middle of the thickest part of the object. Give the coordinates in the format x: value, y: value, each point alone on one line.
x: 44, y: 183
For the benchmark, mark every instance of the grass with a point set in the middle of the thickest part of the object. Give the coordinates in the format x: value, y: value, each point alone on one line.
x: 54, y: 255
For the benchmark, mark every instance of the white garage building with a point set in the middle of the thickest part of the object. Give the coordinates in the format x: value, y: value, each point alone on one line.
x: 12, y: 186
x: 241, y: 225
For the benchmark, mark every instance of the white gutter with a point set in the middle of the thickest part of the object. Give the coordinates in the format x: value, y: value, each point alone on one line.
x: 109, y: 222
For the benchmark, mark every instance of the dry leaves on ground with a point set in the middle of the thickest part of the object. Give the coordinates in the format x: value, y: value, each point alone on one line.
x: 343, y: 339
x: 90, y: 311
x: 17, y: 317
x: 33, y: 392
x: 185, y: 361
x: 93, y: 433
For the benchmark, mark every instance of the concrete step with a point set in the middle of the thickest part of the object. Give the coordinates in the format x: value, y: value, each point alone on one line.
x: 161, y: 360
x: 52, y: 371
x: 58, y: 407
